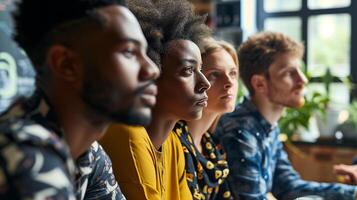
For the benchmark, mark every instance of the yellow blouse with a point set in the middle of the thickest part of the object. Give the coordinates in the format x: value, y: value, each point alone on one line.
x: 143, y: 172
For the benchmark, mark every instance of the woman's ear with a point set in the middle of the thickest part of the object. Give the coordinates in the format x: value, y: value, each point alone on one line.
x: 64, y: 63
x: 259, y: 84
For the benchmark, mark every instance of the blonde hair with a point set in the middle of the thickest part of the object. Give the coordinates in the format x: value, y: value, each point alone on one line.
x: 210, y: 45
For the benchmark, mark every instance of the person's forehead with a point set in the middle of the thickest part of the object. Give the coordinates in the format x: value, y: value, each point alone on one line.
x: 288, y: 59
x: 123, y: 23
x: 219, y: 55
x: 183, y: 48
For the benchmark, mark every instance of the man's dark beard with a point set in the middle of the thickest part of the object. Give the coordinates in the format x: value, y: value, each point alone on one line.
x: 100, y: 96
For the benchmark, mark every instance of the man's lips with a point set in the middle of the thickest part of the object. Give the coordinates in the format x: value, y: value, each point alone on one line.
x: 148, y: 95
x: 299, y: 91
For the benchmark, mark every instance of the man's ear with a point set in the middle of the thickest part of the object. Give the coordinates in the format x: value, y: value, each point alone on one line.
x: 259, y: 83
x: 64, y: 63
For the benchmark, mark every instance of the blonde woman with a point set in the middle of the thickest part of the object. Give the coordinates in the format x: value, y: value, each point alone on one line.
x: 206, y: 168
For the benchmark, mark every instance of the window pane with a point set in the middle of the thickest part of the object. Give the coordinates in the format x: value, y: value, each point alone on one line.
x: 320, y: 4
x: 340, y: 96
x: 290, y: 26
x: 281, y: 5
x: 329, y: 39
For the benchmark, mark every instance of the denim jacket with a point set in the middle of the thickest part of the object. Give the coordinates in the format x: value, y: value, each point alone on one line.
x: 258, y: 163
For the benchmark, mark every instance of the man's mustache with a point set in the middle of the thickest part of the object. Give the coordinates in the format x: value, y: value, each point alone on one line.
x: 142, y: 88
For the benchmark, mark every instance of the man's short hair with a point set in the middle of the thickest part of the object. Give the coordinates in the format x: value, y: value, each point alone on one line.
x: 163, y: 21
x: 259, y: 52
x: 41, y: 23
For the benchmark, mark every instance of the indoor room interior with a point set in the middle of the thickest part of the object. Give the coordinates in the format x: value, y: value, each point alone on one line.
x: 317, y: 136
x: 322, y: 133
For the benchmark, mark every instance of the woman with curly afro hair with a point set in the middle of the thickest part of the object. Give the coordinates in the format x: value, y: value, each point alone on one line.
x: 149, y: 162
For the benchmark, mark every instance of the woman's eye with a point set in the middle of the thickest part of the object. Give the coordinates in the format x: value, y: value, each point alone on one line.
x: 213, y: 75
x: 234, y: 74
x: 188, y: 71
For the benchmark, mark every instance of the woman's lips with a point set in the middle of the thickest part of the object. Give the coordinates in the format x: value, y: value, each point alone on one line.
x: 227, y: 97
x: 202, y: 102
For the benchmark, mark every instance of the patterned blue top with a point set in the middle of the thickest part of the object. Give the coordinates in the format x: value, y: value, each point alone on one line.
x: 35, y: 161
x: 258, y: 163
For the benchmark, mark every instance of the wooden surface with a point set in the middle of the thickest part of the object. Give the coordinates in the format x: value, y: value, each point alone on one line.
x: 315, y: 162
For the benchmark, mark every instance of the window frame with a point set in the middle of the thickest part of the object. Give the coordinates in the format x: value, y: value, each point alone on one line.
x: 304, y: 13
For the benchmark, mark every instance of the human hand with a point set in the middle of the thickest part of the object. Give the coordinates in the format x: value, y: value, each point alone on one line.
x: 347, y: 172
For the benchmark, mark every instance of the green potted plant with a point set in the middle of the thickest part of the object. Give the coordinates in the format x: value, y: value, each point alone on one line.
x: 296, y: 119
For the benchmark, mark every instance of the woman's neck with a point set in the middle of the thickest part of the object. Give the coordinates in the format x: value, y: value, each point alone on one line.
x: 160, y: 127
x: 199, y: 127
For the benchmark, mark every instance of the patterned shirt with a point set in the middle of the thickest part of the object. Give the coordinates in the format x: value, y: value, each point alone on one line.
x: 207, y: 172
x: 258, y: 163
x: 35, y: 161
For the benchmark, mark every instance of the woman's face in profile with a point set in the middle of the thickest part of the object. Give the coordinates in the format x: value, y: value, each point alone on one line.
x: 182, y: 86
x: 222, y: 73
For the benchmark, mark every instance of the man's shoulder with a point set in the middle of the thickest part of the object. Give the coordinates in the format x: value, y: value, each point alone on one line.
x: 30, y: 154
x: 97, y: 151
x: 29, y: 140
x: 96, y: 167
x: 27, y: 131
x: 239, y: 119
x: 25, y: 122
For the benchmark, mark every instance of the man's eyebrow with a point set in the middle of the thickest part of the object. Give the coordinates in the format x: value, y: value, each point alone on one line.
x: 131, y: 40
x: 289, y: 67
x: 286, y: 69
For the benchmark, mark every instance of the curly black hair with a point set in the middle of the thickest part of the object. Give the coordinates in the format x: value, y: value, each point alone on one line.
x: 37, y: 22
x: 165, y: 20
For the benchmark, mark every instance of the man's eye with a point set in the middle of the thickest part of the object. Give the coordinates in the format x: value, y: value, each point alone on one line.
x: 289, y: 73
x: 129, y: 53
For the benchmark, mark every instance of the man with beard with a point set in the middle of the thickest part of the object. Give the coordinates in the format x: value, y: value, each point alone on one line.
x: 92, y: 69
x: 270, y: 68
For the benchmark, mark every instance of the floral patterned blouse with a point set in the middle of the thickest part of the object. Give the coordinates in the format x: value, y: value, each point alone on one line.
x: 206, y: 172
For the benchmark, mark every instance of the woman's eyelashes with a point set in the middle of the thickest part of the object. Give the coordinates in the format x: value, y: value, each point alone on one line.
x: 130, y: 50
x: 234, y: 73
x: 213, y: 75
x: 187, y: 70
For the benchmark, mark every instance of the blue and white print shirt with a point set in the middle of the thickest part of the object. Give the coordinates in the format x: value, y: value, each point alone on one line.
x: 258, y: 163
x: 35, y: 161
